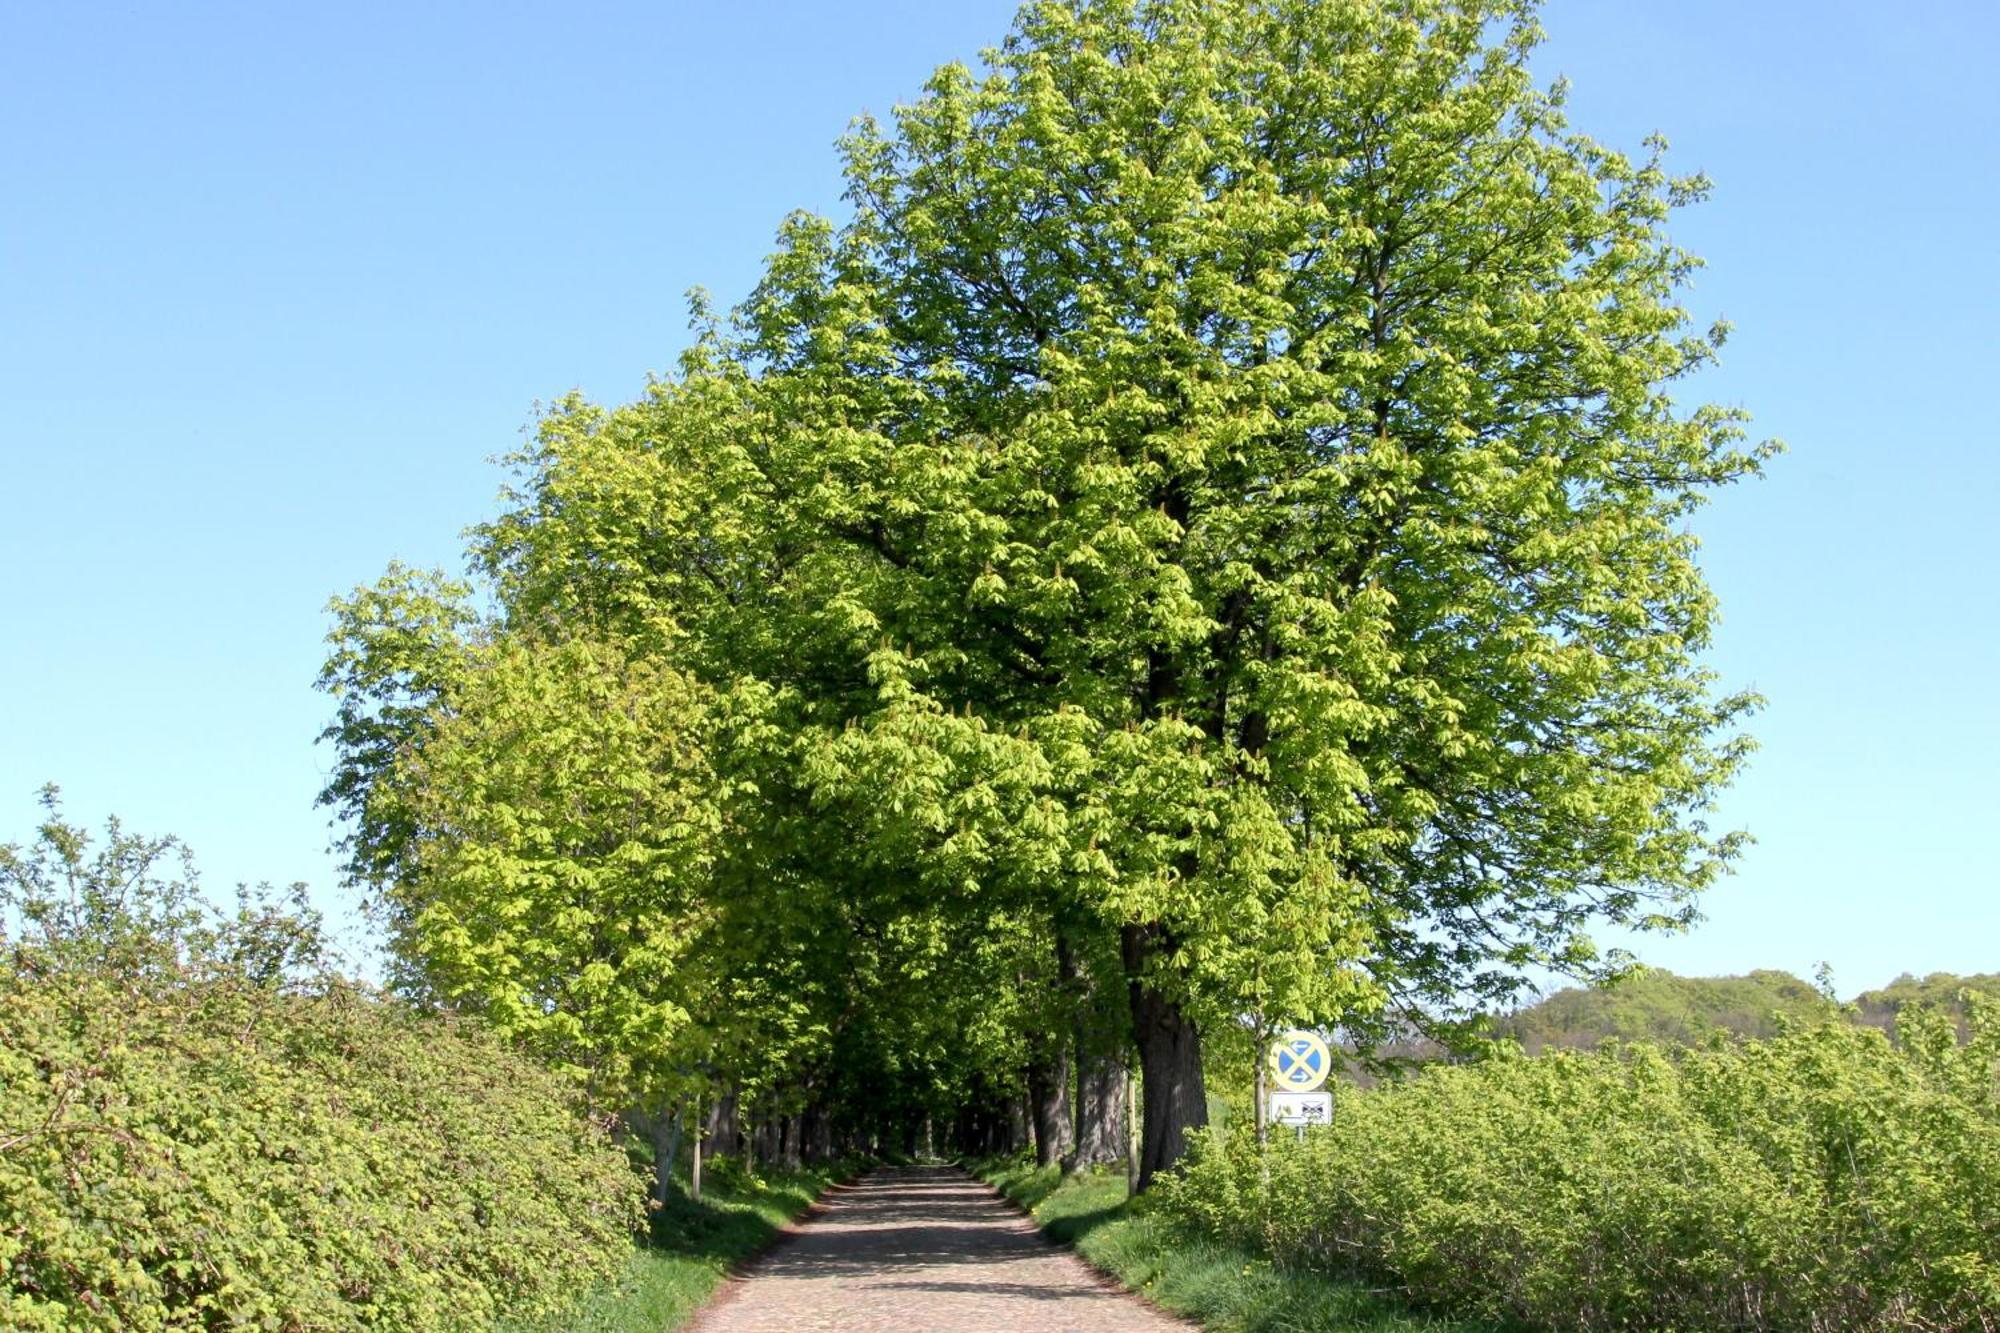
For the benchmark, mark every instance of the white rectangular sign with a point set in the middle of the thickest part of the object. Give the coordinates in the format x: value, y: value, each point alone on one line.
x: 1302, y: 1108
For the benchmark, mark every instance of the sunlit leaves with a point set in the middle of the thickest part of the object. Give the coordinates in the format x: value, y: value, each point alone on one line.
x: 1222, y: 479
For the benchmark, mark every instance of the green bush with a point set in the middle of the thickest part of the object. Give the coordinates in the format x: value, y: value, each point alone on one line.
x: 1826, y: 1179
x: 202, y: 1127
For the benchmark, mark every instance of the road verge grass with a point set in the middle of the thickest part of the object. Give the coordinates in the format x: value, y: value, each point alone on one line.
x: 1220, y: 1286
x: 691, y: 1249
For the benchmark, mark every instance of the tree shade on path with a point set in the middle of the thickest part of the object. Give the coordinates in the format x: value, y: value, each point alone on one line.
x: 923, y: 1248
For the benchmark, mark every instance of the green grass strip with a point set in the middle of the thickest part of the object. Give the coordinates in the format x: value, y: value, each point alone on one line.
x: 692, y: 1249
x: 1222, y: 1287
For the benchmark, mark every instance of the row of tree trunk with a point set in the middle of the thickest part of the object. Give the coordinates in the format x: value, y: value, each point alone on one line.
x: 786, y: 1140
x: 1072, y: 1114
x: 1072, y: 1105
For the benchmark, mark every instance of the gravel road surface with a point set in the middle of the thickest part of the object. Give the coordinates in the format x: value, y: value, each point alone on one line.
x: 928, y: 1248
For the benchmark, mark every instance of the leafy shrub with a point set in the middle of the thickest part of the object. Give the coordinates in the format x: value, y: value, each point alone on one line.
x: 1826, y: 1179
x: 201, y: 1126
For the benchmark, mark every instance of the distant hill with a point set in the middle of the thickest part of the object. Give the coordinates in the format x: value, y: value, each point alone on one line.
x: 1879, y: 1008
x: 1662, y: 1007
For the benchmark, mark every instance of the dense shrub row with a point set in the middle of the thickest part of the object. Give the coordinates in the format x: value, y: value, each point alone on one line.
x: 1826, y: 1179
x: 200, y: 1129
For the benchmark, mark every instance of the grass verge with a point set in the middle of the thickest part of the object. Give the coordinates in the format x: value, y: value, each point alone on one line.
x: 1221, y: 1287
x: 691, y: 1250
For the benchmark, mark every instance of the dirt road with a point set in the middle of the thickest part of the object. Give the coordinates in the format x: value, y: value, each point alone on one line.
x: 923, y: 1248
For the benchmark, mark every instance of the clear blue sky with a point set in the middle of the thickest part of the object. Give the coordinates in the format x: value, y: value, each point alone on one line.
x: 276, y: 281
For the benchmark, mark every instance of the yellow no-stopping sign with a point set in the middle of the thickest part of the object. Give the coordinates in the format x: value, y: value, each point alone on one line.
x: 1300, y: 1062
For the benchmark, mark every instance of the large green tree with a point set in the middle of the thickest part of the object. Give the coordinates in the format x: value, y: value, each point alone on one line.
x: 1262, y: 411
x: 1218, y: 501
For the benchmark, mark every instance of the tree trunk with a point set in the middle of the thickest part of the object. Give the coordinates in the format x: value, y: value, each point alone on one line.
x: 1101, y: 1046
x: 1174, y: 1097
x: 814, y: 1136
x: 666, y: 1135
x: 1100, y: 1113
x: 1019, y: 1135
x: 723, y: 1127
x: 1048, y: 1096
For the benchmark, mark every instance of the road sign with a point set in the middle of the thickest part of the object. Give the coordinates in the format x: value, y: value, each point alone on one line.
x: 1302, y: 1108
x: 1300, y: 1062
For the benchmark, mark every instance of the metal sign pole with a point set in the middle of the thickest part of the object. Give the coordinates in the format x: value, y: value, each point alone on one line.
x: 1262, y: 1114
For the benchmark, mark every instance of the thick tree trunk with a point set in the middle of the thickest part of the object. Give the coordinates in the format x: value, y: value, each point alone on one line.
x: 1020, y: 1125
x: 723, y: 1130
x: 818, y: 1134
x: 665, y: 1131
x: 1102, y: 1049
x: 1174, y: 1098
x: 982, y: 1131
x: 1048, y: 1097
x: 1100, y: 1114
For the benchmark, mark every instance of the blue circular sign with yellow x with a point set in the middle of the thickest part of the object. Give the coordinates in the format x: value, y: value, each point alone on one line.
x: 1300, y: 1062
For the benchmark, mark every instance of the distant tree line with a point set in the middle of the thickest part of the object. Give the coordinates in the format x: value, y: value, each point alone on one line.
x: 1660, y: 1007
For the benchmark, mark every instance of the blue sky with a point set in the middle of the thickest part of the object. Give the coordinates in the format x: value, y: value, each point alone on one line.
x: 276, y: 282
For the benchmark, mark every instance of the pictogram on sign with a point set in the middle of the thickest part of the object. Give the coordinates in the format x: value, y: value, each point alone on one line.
x: 1300, y: 1062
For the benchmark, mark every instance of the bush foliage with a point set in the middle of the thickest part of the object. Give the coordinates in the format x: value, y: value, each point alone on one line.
x: 201, y: 1126
x: 1825, y: 1179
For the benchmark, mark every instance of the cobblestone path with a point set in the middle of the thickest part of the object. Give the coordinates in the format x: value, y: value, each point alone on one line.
x: 923, y: 1248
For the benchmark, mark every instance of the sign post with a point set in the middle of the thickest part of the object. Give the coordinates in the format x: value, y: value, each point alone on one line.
x: 1299, y: 1065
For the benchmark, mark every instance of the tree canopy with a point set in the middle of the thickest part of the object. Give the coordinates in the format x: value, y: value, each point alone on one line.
x: 1217, y: 505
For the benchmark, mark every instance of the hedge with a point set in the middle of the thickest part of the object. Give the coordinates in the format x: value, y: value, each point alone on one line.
x: 201, y: 1129
x: 1826, y: 1179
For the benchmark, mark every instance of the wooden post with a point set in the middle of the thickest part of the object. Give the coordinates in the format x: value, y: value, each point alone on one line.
x: 1131, y: 1135
x: 694, y: 1161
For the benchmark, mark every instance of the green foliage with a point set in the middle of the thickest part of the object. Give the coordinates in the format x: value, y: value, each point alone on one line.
x: 566, y: 799
x: 693, y: 1246
x: 1218, y: 421
x: 1943, y: 991
x: 398, y: 646
x: 1221, y: 498
x: 1658, y: 1006
x: 201, y: 1127
x: 1823, y: 1179
x: 1223, y: 1285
